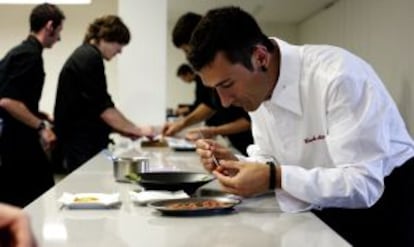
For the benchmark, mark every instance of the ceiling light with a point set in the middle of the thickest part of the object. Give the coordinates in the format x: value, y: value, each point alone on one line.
x: 47, y: 1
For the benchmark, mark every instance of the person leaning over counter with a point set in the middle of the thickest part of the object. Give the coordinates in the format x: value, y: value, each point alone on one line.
x: 232, y: 122
x: 25, y: 172
x: 187, y: 75
x: 332, y: 136
x: 84, y: 111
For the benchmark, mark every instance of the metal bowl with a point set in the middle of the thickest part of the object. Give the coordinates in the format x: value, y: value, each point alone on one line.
x: 124, y: 167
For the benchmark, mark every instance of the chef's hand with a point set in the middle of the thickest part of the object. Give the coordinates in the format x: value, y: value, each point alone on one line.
x: 206, y: 148
x: 172, y: 128
x: 243, y: 178
x: 47, y: 138
x: 140, y: 131
x: 15, y: 227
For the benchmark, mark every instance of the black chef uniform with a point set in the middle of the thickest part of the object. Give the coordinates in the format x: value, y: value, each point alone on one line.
x: 25, y: 172
x: 81, y: 98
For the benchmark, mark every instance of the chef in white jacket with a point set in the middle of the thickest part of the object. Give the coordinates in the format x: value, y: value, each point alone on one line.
x: 328, y: 137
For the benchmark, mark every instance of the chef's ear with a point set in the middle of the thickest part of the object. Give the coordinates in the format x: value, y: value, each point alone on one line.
x: 49, y: 28
x: 261, y: 57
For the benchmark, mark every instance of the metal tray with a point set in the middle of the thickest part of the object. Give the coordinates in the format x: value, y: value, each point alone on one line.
x: 227, y: 206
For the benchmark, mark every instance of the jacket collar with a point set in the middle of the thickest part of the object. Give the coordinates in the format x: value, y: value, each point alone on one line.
x: 34, y: 41
x: 286, y: 92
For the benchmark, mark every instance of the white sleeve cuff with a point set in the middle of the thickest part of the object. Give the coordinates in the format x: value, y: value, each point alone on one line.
x: 290, y: 204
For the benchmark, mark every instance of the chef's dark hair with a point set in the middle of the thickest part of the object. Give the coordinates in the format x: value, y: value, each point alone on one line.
x: 184, y: 69
x: 184, y: 27
x: 109, y: 28
x: 43, y: 13
x: 229, y: 30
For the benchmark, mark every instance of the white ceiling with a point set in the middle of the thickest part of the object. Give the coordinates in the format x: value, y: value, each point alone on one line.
x: 280, y: 11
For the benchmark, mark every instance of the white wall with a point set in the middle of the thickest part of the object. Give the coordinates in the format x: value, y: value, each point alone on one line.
x: 14, y: 28
x: 142, y: 98
x: 178, y: 91
x: 378, y: 30
x: 381, y: 32
x: 142, y: 66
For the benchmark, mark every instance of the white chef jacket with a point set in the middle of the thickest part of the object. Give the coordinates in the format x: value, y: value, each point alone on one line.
x: 333, y: 128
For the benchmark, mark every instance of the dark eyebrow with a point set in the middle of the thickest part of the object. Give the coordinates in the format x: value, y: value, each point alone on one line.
x: 221, y: 83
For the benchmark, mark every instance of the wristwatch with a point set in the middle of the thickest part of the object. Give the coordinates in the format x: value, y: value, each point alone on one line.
x: 272, y: 175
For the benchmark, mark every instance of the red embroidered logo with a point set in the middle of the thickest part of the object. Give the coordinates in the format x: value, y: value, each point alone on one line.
x: 314, y: 138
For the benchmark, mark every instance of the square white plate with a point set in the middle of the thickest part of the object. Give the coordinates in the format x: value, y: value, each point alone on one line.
x: 90, y: 200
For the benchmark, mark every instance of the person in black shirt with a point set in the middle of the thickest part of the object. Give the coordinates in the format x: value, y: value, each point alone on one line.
x: 232, y: 122
x: 25, y: 172
x: 187, y: 75
x: 84, y: 111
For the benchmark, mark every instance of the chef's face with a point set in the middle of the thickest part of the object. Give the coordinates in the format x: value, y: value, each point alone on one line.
x: 52, y: 34
x: 235, y: 84
x: 109, y: 49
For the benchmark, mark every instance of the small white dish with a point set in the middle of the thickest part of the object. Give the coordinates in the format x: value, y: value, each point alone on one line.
x: 149, y: 196
x: 90, y: 200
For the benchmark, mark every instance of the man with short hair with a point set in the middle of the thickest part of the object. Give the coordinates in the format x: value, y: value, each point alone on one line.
x: 85, y: 113
x: 328, y: 137
x: 25, y: 172
x: 187, y: 75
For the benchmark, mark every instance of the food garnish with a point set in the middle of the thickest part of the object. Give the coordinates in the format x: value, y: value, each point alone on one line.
x: 133, y: 177
x: 86, y: 199
x: 207, y: 204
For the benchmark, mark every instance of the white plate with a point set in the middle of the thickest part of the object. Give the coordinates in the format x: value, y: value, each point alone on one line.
x: 148, y: 196
x: 90, y: 200
x: 180, y: 143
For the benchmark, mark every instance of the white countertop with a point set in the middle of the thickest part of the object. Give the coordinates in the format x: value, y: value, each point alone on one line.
x: 255, y: 222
